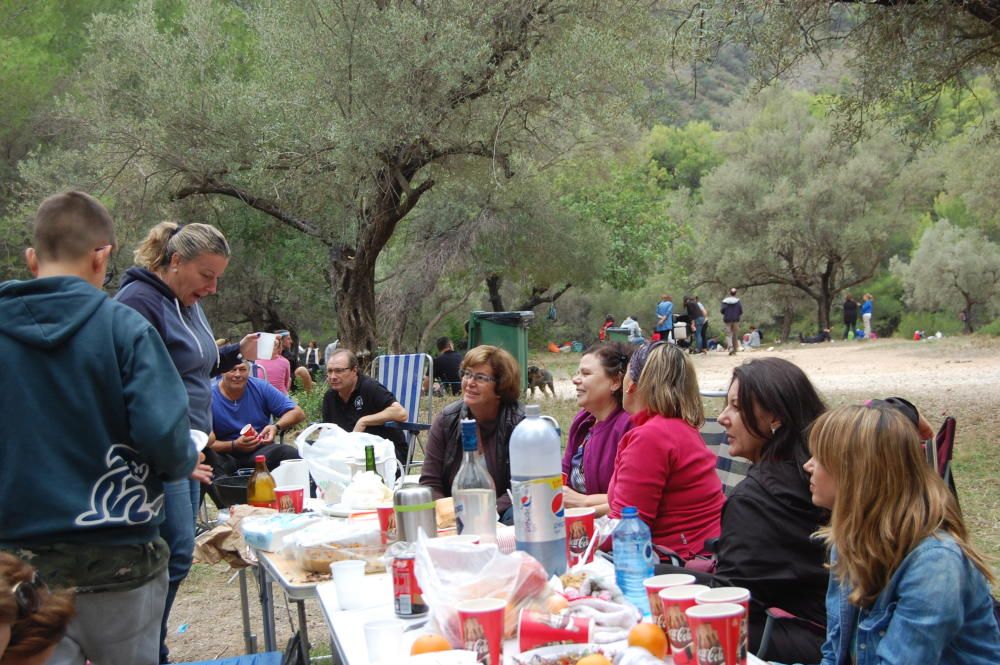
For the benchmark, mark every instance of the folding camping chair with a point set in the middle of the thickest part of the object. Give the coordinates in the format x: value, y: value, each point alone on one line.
x: 943, y: 446
x: 403, y: 376
x: 731, y: 470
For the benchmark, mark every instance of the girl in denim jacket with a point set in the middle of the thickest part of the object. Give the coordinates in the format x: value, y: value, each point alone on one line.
x: 906, y: 584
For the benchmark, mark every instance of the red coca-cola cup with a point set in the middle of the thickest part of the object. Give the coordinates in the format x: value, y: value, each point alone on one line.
x: 654, y: 585
x: 248, y: 430
x: 718, y: 632
x: 289, y: 499
x: 538, y: 629
x: 728, y: 594
x: 481, y: 625
x: 674, y: 601
x: 387, y: 523
x: 579, y: 531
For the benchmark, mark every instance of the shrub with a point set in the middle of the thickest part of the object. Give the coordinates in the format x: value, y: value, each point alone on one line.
x: 930, y: 323
x: 991, y: 328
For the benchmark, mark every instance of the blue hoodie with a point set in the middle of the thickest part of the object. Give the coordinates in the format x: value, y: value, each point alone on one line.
x: 187, y: 336
x: 94, y: 417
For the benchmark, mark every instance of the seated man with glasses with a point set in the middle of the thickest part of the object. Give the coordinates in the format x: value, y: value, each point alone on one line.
x: 239, y: 400
x: 359, y: 403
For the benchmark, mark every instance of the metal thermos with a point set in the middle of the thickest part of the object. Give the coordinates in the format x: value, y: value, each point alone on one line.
x: 414, y: 506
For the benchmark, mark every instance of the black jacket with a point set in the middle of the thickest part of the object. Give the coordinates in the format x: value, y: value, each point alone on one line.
x: 767, y: 547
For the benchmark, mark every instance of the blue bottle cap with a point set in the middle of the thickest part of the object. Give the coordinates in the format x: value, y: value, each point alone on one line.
x: 630, y: 511
x: 469, y: 437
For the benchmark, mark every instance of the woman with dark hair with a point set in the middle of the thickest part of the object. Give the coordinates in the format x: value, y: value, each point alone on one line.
x: 766, y: 544
x: 663, y: 467
x: 32, y: 619
x: 592, y: 445
x: 491, y: 386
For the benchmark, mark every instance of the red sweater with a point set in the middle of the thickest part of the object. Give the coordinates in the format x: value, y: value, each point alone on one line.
x: 664, y: 469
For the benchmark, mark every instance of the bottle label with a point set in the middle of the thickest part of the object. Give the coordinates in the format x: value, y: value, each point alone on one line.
x: 538, y: 509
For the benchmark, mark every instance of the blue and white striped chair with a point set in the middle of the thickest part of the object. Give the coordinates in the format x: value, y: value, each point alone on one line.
x: 403, y: 376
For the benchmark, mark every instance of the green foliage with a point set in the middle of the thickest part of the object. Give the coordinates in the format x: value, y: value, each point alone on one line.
x: 683, y: 154
x: 792, y: 207
x: 991, y: 328
x: 311, y: 403
x: 952, y: 269
x: 929, y: 322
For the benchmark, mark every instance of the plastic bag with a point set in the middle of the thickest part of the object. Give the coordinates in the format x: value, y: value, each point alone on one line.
x: 450, y: 572
x: 336, y: 455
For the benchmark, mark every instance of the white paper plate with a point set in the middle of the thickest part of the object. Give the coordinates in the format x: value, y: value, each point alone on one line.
x: 341, y: 510
x: 200, y: 439
x: 551, y: 653
x: 453, y: 657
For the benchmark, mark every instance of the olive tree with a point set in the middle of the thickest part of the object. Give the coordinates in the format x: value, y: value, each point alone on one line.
x: 335, y: 118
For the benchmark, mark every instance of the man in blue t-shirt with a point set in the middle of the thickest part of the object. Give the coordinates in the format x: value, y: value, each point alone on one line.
x: 239, y: 400
x: 665, y: 317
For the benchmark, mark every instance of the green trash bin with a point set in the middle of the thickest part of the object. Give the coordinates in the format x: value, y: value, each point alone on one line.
x: 508, y: 330
x: 617, y: 335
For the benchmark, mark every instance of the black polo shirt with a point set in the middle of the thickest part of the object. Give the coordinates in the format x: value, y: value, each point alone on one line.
x: 446, y: 371
x: 369, y: 397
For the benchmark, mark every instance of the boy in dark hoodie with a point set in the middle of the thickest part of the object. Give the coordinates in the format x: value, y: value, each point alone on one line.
x: 96, y: 420
x: 732, y: 312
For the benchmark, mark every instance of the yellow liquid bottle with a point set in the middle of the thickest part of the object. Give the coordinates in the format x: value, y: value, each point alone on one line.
x: 260, y: 488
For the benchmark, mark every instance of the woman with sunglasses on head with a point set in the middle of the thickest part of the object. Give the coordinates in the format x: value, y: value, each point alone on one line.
x: 663, y: 467
x: 592, y: 445
x: 491, y: 386
x: 176, y: 267
x: 32, y: 619
x: 906, y: 585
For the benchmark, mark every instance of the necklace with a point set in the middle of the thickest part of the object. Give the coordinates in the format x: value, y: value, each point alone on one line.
x: 234, y: 402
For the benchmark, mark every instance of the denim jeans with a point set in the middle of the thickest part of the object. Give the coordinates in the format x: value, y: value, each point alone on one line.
x: 699, y: 325
x: 180, y: 503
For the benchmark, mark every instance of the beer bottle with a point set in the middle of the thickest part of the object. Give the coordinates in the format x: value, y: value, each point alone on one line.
x: 370, y: 458
x: 260, y: 488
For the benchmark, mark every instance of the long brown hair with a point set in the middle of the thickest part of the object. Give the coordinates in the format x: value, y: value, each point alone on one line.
x: 667, y: 382
x: 36, y: 632
x: 888, y: 499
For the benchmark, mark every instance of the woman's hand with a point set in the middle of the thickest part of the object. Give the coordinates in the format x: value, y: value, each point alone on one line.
x: 202, y: 472
x: 248, y: 346
x: 573, y: 499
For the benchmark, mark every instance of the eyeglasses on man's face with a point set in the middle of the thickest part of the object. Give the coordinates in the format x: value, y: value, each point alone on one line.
x: 338, y: 370
x: 477, y: 378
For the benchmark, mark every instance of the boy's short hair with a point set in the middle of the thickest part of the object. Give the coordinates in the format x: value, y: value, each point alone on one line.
x: 70, y: 225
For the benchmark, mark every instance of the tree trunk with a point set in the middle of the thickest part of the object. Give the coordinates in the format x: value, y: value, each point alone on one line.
x: 354, y: 294
x: 493, y: 284
x: 824, y: 303
x: 967, y: 322
x: 786, y: 323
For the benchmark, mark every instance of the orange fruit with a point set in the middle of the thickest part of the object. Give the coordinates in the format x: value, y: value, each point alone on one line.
x: 594, y: 659
x: 429, y: 643
x: 556, y: 603
x: 650, y: 637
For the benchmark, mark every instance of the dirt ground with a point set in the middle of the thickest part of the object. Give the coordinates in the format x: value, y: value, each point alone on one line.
x: 958, y: 376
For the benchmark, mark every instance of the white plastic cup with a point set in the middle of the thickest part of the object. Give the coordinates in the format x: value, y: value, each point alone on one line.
x: 382, y: 638
x: 265, y: 345
x: 347, y: 579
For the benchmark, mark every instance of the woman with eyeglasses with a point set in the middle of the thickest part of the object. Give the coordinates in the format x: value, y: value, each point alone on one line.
x: 906, y: 585
x: 592, y: 445
x: 32, y: 619
x: 663, y: 467
x: 178, y: 266
x: 491, y: 386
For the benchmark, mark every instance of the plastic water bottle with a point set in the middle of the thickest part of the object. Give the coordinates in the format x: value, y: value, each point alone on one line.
x: 536, y: 486
x: 474, y: 491
x: 633, y: 549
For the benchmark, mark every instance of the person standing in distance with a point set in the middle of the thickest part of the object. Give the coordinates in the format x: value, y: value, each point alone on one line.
x: 176, y: 267
x: 96, y: 421
x: 665, y: 318
x: 732, y: 312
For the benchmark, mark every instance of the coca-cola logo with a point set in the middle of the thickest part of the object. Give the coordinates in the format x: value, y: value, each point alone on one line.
x: 680, y: 637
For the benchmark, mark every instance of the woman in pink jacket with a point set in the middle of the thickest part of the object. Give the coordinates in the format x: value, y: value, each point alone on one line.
x: 663, y: 467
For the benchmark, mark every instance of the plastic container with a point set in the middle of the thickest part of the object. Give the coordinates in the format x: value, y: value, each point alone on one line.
x: 474, y: 492
x: 536, y: 486
x: 508, y: 330
x: 633, y: 549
